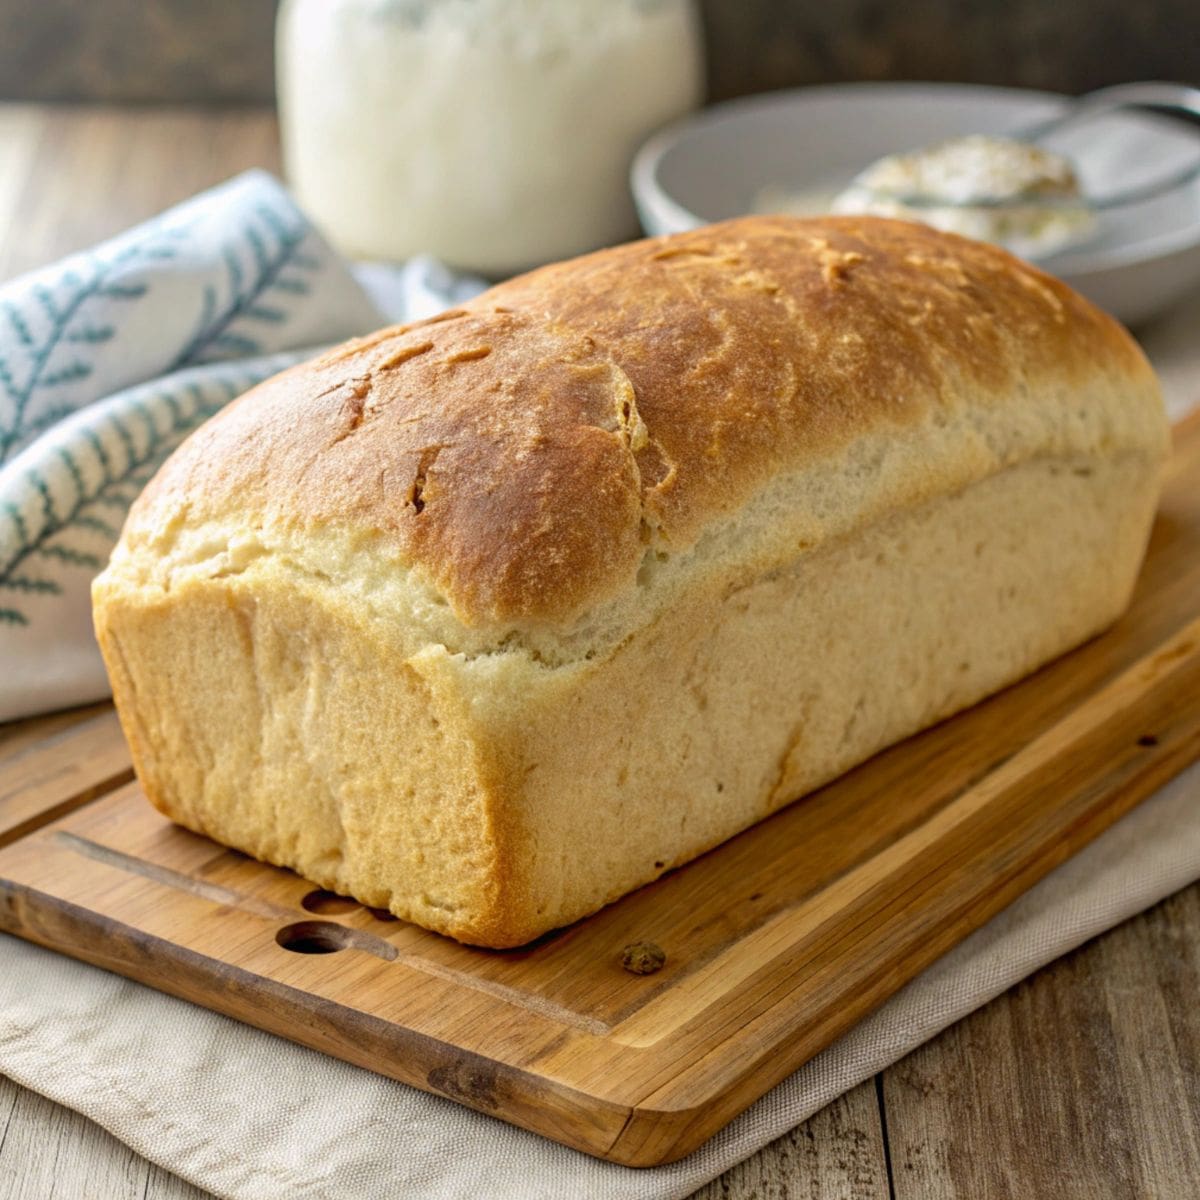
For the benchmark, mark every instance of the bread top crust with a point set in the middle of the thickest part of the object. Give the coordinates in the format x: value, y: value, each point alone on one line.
x: 524, y: 453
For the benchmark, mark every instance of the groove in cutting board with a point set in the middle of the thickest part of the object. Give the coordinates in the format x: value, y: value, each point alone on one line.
x: 776, y: 942
x: 168, y: 877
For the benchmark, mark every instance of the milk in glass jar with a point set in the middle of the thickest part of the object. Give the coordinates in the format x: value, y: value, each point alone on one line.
x: 495, y: 134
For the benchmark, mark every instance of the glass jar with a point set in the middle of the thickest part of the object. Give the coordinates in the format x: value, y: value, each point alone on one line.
x: 495, y: 134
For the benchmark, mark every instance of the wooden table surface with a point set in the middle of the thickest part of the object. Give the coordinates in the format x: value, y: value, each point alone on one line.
x: 1083, y: 1081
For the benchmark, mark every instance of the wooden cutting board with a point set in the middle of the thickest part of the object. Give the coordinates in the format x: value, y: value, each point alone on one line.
x: 776, y: 943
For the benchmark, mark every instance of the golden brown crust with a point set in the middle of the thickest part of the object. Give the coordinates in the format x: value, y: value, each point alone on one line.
x: 522, y: 451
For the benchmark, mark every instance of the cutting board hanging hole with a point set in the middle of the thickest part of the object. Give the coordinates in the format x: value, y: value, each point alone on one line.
x: 327, y: 937
x: 312, y: 937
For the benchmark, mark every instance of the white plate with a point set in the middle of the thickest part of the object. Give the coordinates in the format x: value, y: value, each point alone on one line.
x: 814, y: 140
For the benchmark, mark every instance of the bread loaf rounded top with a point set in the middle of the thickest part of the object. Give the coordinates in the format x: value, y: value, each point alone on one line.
x: 525, y: 453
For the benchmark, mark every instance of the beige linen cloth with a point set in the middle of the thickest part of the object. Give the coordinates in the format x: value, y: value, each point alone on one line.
x: 248, y: 1115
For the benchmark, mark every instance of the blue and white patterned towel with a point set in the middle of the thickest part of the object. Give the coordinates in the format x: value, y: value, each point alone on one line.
x: 111, y: 357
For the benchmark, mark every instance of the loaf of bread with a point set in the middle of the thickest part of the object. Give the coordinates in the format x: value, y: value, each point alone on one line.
x: 491, y: 618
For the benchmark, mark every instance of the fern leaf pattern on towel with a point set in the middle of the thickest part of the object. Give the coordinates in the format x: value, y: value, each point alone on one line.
x: 44, y: 364
x: 65, y: 504
x: 235, y: 272
x: 107, y: 361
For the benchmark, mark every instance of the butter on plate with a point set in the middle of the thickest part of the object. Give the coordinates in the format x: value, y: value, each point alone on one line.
x: 994, y: 189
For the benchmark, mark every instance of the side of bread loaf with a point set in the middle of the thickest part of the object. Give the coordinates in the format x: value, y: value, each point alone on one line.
x: 491, y: 619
